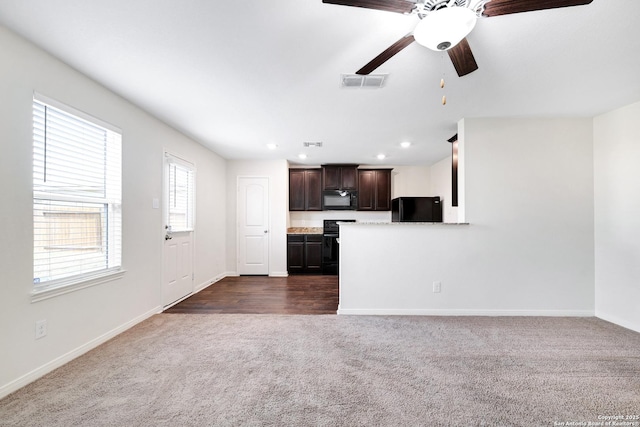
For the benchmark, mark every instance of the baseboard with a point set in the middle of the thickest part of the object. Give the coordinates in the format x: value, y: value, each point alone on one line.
x: 39, y: 372
x: 612, y: 318
x: 279, y: 274
x: 272, y: 274
x: 208, y: 283
x: 463, y: 312
x: 197, y: 289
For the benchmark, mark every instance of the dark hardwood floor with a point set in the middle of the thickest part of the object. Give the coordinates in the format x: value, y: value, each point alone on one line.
x: 298, y: 294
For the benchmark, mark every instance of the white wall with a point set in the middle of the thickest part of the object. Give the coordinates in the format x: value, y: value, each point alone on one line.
x: 278, y: 173
x: 617, y: 216
x: 211, y: 214
x: 413, y: 181
x: 82, y: 319
x: 529, y: 246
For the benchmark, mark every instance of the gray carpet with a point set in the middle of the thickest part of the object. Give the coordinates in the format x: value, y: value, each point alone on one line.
x: 256, y: 370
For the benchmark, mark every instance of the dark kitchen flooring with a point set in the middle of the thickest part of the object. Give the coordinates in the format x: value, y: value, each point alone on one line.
x: 297, y: 294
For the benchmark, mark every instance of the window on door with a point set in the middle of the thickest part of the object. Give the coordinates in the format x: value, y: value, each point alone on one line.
x: 77, y: 188
x: 181, y: 192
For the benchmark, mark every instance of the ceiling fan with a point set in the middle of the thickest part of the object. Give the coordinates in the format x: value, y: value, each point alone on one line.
x: 444, y: 24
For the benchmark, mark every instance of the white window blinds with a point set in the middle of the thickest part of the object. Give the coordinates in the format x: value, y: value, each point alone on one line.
x: 77, y: 221
x: 181, y: 178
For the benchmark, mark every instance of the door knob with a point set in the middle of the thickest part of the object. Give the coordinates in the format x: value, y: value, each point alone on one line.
x: 167, y: 237
x: 266, y: 231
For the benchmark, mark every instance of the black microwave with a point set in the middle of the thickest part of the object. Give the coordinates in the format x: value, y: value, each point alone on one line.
x: 334, y: 200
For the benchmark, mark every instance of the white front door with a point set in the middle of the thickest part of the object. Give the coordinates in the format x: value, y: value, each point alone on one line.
x: 179, y: 220
x: 178, y: 267
x: 253, y: 225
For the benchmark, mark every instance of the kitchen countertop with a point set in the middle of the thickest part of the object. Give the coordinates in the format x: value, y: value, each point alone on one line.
x: 407, y: 223
x: 319, y: 230
x: 304, y: 230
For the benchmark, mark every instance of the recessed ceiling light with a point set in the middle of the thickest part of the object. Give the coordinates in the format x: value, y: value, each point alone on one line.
x: 405, y: 144
x: 302, y: 156
x: 381, y: 156
x: 272, y: 146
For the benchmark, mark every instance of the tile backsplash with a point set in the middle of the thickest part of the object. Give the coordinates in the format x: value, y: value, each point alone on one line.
x: 315, y: 218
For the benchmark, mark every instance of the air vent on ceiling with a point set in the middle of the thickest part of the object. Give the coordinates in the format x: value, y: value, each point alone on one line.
x: 357, y: 80
x: 312, y: 144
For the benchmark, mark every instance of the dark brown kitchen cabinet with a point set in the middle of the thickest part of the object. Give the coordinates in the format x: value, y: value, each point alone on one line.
x: 305, y: 189
x: 374, y: 189
x: 313, y: 253
x: 340, y: 177
x: 304, y: 253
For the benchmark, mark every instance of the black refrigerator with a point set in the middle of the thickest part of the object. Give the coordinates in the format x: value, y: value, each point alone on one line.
x: 416, y: 209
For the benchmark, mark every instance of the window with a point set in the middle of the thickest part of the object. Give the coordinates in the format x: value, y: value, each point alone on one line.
x: 180, y: 189
x: 77, y: 186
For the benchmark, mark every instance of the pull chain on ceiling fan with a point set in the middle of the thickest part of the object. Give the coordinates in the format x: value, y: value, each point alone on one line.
x: 445, y: 24
x: 444, y: 97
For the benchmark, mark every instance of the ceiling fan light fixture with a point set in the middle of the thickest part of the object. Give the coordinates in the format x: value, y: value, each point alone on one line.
x: 444, y: 28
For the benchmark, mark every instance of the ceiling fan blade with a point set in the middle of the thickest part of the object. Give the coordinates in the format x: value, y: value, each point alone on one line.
x: 505, y: 7
x: 400, y: 6
x: 386, y: 55
x: 462, y: 58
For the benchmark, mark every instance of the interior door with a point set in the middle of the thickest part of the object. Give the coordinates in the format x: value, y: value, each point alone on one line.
x: 253, y: 225
x: 179, y: 220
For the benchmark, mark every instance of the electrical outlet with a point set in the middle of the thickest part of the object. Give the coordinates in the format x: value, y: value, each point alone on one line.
x: 41, y: 328
x: 437, y: 287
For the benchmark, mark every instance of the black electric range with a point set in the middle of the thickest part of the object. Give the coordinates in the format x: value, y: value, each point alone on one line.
x: 331, y: 244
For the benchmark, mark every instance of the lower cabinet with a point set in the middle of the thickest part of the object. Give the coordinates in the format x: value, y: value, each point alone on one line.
x: 304, y: 253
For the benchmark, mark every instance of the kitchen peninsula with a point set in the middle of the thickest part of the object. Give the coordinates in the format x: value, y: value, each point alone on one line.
x: 390, y: 268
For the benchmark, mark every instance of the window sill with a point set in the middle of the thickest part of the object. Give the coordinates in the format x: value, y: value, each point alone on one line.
x: 43, y: 294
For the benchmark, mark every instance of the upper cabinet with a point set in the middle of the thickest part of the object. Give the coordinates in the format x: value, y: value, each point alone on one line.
x: 373, y: 186
x: 374, y: 189
x: 340, y: 177
x: 305, y: 189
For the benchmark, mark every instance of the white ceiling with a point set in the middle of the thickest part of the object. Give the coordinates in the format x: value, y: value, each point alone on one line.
x: 236, y: 76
